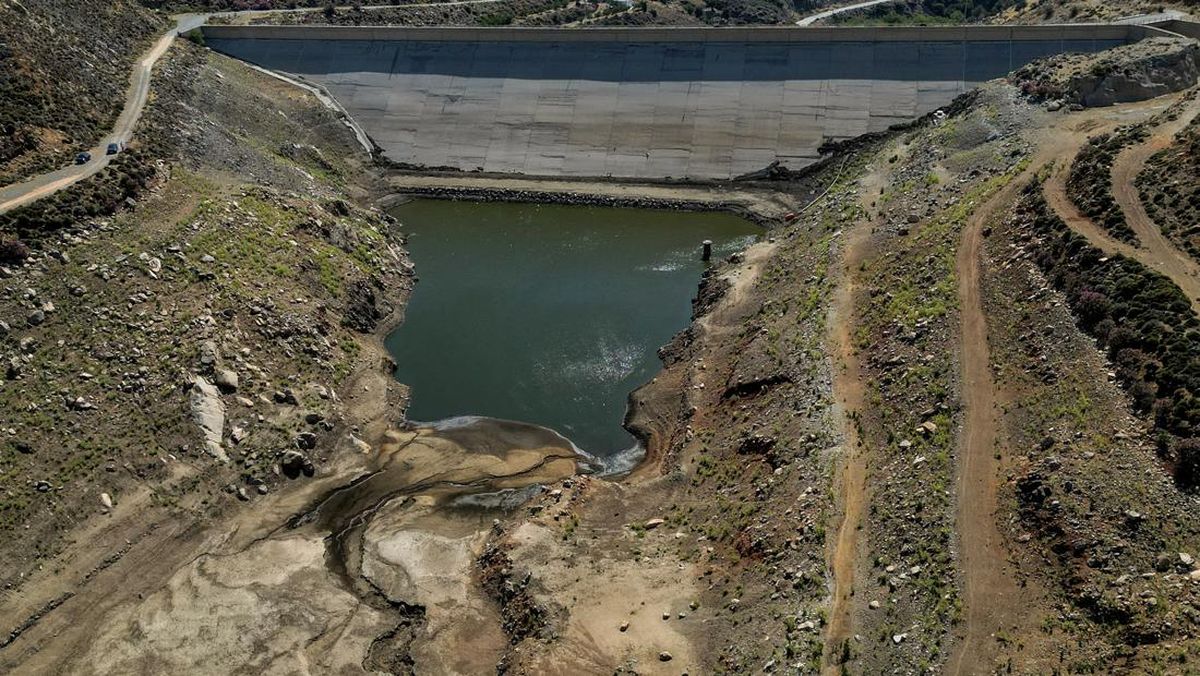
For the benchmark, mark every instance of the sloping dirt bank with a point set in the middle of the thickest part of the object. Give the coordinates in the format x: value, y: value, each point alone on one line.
x: 1168, y: 258
x: 391, y: 552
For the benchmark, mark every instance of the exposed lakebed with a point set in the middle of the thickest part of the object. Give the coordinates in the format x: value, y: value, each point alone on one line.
x: 547, y: 314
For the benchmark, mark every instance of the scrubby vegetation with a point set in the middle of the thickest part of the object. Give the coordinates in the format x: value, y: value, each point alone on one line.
x: 1089, y: 185
x: 239, y: 5
x: 1144, y: 323
x: 64, y: 69
x: 1170, y: 189
x: 483, y: 14
x: 926, y: 12
x: 100, y: 195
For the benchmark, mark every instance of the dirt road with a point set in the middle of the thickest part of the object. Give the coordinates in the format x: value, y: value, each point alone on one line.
x: 992, y: 597
x: 23, y: 193
x: 1165, y: 256
x: 850, y: 394
x: 1055, y: 190
x: 993, y: 601
x: 1156, y: 251
x: 810, y: 20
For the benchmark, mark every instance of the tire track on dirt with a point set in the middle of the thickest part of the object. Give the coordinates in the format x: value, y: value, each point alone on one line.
x: 1055, y: 191
x: 993, y: 599
x: 850, y: 395
x: 1168, y: 259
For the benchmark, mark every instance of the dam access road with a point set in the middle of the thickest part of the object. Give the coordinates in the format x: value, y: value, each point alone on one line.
x: 643, y: 103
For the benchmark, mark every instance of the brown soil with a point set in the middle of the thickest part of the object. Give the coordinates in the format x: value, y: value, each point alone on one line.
x: 849, y: 393
x: 994, y: 600
x: 1157, y: 253
x: 1167, y: 258
x: 991, y: 597
x: 1171, y: 265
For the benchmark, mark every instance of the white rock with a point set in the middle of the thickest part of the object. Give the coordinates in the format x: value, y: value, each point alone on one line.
x: 360, y: 445
x: 226, y: 379
x: 209, y: 413
x: 106, y: 500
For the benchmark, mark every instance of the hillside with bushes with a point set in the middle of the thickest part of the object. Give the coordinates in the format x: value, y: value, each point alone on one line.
x: 64, y: 71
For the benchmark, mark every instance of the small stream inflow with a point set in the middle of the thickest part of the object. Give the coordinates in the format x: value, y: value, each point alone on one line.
x: 548, y: 314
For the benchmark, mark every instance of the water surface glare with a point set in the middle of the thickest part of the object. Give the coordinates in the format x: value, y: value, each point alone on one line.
x: 547, y: 314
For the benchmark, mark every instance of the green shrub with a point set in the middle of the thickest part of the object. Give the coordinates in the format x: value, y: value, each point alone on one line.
x: 1144, y: 322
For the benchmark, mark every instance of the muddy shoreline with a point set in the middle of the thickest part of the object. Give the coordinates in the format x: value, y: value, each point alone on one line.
x: 577, y: 199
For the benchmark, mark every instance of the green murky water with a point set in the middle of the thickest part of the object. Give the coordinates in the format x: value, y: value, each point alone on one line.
x: 547, y: 314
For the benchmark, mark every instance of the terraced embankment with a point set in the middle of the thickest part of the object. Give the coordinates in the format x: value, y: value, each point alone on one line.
x: 1153, y: 249
x: 1167, y: 258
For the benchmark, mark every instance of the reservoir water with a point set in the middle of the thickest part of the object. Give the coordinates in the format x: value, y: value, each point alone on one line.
x: 547, y: 314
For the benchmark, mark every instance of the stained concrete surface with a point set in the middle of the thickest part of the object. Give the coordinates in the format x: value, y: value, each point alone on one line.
x: 681, y: 108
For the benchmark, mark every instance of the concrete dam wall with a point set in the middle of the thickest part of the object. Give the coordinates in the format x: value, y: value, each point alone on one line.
x: 642, y: 103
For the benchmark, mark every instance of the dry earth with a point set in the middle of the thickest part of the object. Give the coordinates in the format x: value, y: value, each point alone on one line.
x: 884, y: 444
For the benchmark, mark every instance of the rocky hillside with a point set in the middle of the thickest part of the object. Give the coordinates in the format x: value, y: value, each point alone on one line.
x: 567, y: 13
x: 1085, y: 11
x: 935, y: 12
x: 181, y: 329
x: 64, y: 70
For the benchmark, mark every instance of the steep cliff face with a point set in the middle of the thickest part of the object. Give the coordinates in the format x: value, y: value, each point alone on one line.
x: 64, y: 68
x: 1168, y: 66
x: 1134, y: 72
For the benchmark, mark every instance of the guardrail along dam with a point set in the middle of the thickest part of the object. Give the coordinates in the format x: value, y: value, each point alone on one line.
x: 642, y: 103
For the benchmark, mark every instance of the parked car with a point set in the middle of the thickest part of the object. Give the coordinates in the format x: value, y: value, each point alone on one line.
x: 83, y: 158
x: 114, y: 148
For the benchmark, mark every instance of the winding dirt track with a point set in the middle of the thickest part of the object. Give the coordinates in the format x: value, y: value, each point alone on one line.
x: 1055, y: 191
x: 993, y: 599
x: 1159, y: 251
x: 849, y: 391
x: 991, y: 594
x: 1156, y: 251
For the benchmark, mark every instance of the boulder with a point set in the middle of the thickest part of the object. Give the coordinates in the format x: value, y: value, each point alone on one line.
x: 1153, y: 68
x: 209, y: 354
x: 295, y: 463
x: 286, y: 397
x: 208, y: 411
x: 226, y: 380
